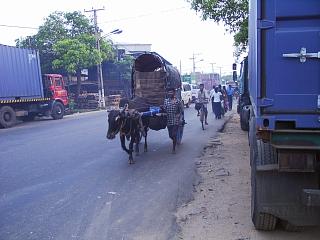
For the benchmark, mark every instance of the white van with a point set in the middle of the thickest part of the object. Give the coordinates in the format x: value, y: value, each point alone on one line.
x: 194, y: 90
x: 186, y: 94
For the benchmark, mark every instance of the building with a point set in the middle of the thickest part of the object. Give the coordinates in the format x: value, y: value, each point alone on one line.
x: 131, y: 49
x: 208, y: 79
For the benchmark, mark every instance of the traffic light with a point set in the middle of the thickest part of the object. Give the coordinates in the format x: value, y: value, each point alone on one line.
x: 234, y: 67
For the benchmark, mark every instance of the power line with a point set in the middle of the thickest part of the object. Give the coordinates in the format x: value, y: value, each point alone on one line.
x: 114, y: 20
x: 144, y: 15
x: 16, y: 26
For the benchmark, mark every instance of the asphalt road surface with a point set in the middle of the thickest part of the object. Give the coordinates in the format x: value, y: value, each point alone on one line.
x: 64, y: 180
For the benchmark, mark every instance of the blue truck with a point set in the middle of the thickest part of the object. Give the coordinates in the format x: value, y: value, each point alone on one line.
x: 280, y: 107
x: 24, y: 92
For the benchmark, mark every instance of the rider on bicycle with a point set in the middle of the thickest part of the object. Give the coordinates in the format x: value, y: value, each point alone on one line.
x: 203, y: 98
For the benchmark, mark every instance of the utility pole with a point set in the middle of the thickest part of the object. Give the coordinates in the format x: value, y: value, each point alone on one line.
x: 194, y: 67
x: 220, y: 75
x: 102, y: 102
x: 212, y: 78
x: 193, y: 79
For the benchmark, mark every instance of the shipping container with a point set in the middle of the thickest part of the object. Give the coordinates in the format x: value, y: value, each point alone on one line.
x: 284, y: 62
x: 20, y: 74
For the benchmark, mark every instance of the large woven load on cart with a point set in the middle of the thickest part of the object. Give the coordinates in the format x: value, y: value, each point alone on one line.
x: 151, y: 76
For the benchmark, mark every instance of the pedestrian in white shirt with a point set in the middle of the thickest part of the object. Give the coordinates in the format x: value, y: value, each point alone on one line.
x: 216, y: 98
x: 211, y: 94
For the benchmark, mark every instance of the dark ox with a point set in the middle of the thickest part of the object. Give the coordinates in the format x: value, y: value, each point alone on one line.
x: 130, y: 126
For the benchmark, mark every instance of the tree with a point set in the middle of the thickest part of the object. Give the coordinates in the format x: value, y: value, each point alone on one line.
x: 66, y: 44
x: 49, y: 33
x: 232, y: 13
x: 75, y: 54
x: 124, y: 66
x: 57, y: 26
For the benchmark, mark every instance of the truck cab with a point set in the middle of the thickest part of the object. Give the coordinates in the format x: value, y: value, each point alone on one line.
x: 54, y: 88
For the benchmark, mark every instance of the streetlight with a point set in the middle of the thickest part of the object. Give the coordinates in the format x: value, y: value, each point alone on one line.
x: 102, y: 101
x: 116, y: 31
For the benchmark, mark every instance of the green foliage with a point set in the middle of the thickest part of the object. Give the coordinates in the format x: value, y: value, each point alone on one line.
x: 79, y: 52
x: 124, y: 66
x: 106, y: 49
x: 74, y: 54
x: 232, y: 13
x: 62, y: 39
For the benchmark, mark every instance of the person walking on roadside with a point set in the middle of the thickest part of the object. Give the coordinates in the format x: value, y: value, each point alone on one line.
x: 216, y: 99
x: 225, y: 99
x: 203, y: 98
x: 230, y: 96
x: 174, y: 109
x: 211, y: 95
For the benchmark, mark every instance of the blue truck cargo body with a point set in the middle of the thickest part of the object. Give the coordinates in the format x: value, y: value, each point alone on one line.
x: 284, y: 77
x: 279, y: 106
x: 20, y: 74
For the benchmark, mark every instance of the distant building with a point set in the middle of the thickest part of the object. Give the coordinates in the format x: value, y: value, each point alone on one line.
x: 208, y: 79
x: 132, y: 49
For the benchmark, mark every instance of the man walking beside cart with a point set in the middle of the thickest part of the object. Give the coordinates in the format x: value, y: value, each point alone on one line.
x: 174, y: 110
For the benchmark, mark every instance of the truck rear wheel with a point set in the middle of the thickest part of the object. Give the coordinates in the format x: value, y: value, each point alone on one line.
x: 57, y: 111
x: 244, y: 118
x: 7, y: 117
x: 261, y: 221
x: 259, y: 153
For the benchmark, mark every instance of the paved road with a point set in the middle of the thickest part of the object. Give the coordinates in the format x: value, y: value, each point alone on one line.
x: 63, y: 180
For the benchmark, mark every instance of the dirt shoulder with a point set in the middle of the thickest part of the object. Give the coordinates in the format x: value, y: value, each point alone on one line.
x: 221, y: 205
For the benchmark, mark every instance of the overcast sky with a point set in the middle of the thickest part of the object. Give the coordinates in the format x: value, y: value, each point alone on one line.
x: 174, y: 30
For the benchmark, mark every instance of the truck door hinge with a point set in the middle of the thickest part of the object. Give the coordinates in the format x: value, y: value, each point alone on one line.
x: 265, y: 24
x: 265, y: 102
x: 303, y: 55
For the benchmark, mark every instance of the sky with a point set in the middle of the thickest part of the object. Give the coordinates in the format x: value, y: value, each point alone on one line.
x: 175, y: 31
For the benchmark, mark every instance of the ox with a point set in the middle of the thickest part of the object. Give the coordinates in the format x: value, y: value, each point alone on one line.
x: 130, y: 126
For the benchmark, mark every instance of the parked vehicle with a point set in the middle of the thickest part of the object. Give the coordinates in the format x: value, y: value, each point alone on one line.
x: 186, y: 94
x: 280, y: 106
x: 24, y: 93
x: 194, y: 91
